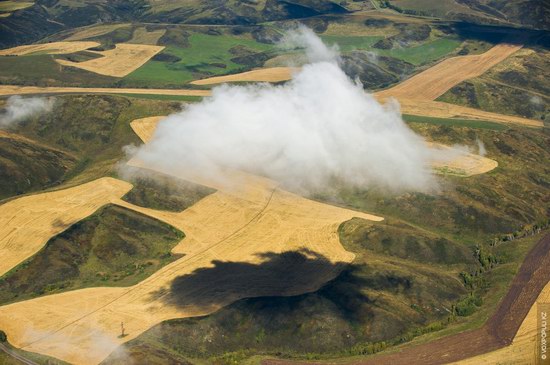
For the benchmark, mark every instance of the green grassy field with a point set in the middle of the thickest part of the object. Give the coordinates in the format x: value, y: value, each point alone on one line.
x: 162, y: 192
x: 424, y: 53
x: 206, y: 55
x: 112, y: 247
x: 349, y: 43
x: 470, y: 123
x: 184, y: 98
x: 42, y: 70
x: 26, y: 166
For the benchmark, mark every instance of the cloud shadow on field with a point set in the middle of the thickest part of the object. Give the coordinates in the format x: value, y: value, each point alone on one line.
x: 278, y: 274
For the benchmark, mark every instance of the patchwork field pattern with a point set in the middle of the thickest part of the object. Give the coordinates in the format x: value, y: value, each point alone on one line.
x: 242, y: 226
x: 117, y: 62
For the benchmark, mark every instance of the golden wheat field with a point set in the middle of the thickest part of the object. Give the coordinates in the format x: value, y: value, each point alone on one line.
x: 269, y: 74
x: 26, y: 90
x: 27, y: 223
x: 435, y: 81
x: 117, y: 62
x: 49, y: 48
x: 240, y: 226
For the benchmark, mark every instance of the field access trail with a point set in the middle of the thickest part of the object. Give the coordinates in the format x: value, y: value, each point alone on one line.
x: 498, y: 332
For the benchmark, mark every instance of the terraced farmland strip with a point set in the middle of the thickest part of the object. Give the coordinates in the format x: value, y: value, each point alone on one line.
x: 49, y: 48
x: 435, y: 81
x: 272, y: 74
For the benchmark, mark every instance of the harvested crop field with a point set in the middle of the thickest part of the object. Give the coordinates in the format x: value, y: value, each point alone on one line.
x: 500, y: 331
x: 462, y: 164
x: 248, y: 230
x: 27, y: 223
x: 417, y: 94
x: 438, y: 109
x: 435, y: 81
x: 94, y: 31
x: 48, y: 48
x: 271, y: 74
x: 25, y: 90
x: 117, y: 62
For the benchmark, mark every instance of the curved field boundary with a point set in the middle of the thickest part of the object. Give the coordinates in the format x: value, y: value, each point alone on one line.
x: 118, y: 62
x: 498, y: 332
x: 82, y: 326
x: 27, y: 223
x: 435, y: 81
x: 270, y: 74
x: 49, y: 48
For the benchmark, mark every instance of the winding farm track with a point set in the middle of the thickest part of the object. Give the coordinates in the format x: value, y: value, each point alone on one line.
x: 498, y: 332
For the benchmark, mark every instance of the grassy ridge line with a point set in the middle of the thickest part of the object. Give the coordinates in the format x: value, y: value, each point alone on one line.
x: 472, y: 123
